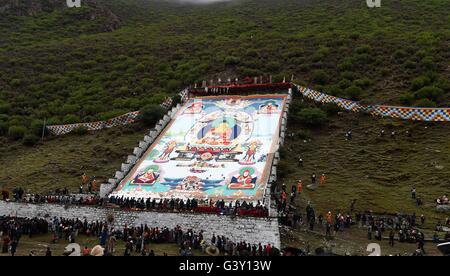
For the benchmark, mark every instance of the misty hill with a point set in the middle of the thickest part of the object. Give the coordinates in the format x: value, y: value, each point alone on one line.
x: 112, y: 57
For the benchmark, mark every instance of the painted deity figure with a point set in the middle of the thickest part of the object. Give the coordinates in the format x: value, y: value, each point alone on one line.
x: 268, y: 108
x: 245, y: 180
x: 191, y: 183
x: 148, y: 176
x: 194, y: 108
x: 170, y: 147
x: 219, y: 135
x: 251, y: 152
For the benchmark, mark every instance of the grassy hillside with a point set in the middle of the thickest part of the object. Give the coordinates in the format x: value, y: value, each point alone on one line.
x: 59, y: 163
x: 62, y: 65
x: 115, y: 56
x: 378, y: 171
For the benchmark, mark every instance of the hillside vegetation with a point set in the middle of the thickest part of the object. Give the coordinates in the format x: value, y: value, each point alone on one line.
x: 111, y: 57
x: 114, y: 56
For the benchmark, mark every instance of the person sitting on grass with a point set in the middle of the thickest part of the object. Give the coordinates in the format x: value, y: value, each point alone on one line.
x: 443, y: 200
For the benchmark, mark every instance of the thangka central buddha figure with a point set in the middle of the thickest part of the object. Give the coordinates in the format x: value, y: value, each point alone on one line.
x: 218, y: 134
x: 221, y: 129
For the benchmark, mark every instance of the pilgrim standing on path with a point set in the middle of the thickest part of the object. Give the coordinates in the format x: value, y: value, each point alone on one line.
x: 313, y: 178
x: 323, y: 180
x: 391, y: 238
x: 94, y: 185
x: 299, y: 186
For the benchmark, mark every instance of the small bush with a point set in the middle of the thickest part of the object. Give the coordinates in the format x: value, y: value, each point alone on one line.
x: 420, y: 82
x: 345, y: 83
x: 151, y: 114
x: 425, y: 103
x: 312, y: 116
x: 231, y: 61
x: 348, y: 75
x: 17, y: 132
x: 363, y: 83
x: 173, y: 85
x: 71, y: 119
x: 331, y: 108
x: 353, y: 93
x: 4, y: 126
x: 30, y: 139
x: 406, y: 99
x: 427, y: 63
x: 430, y: 92
x: 82, y: 130
x: 36, y: 127
x: 320, y: 77
x: 5, y: 108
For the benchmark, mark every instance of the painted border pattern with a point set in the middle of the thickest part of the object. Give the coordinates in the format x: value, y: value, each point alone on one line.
x: 124, y: 119
x: 121, y: 120
x: 405, y: 113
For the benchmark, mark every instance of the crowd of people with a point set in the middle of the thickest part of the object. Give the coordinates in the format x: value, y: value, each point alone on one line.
x: 399, y: 227
x: 12, y: 229
x: 136, y: 240
x: 240, y: 88
x: 90, y: 200
x: 192, y: 205
x: 219, y: 207
x: 55, y: 197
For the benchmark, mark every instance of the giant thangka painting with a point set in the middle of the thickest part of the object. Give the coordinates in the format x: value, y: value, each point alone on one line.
x: 216, y: 147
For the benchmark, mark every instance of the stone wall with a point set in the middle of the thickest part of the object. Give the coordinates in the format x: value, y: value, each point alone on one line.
x: 251, y: 230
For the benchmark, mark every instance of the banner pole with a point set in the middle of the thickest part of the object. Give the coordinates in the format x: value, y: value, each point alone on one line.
x: 43, y: 129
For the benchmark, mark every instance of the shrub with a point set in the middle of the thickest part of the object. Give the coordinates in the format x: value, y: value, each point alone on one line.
x: 320, y: 77
x: 346, y: 65
x: 81, y: 130
x: 36, y: 127
x: 420, y: 82
x: 15, y: 82
x: 312, y: 116
x: 334, y: 90
x: 429, y: 92
x: 71, y: 119
x: 176, y: 100
x: 443, y: 84
x: 406, y: 99
x: 363, y: 49
x: 427, y: 63
x: 425, y: 103
x: 353, y: 93
x: 348, y: 75
x: 151, y: 114
x: 231, y: 61
x: 17, y: 132
x: 173, y: 85
x: 4, y: 108
x: 30, y: 139
x: 345, y: 83
x: 4, y: 126
x: 363, y: 83
x: 331, y: 108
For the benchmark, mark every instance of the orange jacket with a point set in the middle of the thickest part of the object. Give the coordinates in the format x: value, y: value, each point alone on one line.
x: 299, y: 186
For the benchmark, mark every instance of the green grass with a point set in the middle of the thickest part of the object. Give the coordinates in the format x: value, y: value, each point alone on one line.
x: 60, y: 162
x: 75, y: 71
x: 378, y: 172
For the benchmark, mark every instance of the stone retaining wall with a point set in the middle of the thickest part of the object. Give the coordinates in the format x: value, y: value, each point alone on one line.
x: 251, y: 230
